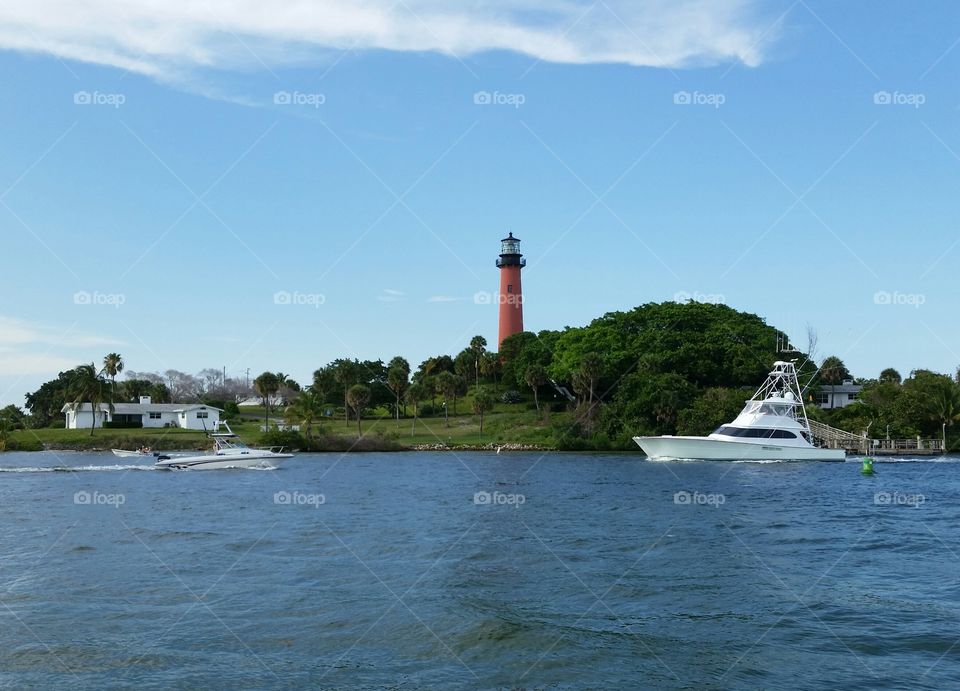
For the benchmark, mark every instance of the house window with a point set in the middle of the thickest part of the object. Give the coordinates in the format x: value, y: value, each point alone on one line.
x: 823, y: 398
x: 851, y: 396
x: 155, y: 416
x: 202, y: 416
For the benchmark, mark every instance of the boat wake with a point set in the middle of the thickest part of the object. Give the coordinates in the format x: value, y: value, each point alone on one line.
x: 76, y: 469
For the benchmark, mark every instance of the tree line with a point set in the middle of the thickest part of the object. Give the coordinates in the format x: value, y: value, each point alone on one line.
x: 660, y: 368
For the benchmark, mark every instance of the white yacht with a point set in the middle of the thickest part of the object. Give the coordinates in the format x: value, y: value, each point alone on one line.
x: 772, y: 426
x: 228, y: 452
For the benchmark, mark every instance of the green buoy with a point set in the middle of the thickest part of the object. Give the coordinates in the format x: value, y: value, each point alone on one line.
x: 867, y: 467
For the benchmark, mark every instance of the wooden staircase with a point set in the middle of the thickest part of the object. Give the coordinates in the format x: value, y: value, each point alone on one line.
x: 833, y: 438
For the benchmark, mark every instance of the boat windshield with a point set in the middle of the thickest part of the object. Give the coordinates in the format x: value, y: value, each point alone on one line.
x: 755, y: 433
x: 781, y: 408
x: 230, y: 443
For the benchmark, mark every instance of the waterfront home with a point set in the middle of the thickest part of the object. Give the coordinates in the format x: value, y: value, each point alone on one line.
x: 145, y: 413
x: 838, y: 395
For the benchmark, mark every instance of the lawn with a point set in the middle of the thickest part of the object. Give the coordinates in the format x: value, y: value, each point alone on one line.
x: 506, y: 424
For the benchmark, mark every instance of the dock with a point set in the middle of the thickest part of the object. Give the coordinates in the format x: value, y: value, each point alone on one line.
x: 833, y: 438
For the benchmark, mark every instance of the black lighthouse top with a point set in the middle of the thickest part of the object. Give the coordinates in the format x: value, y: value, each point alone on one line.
x: 510, y: 252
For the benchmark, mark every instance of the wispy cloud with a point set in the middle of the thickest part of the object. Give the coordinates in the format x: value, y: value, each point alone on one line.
x: 391, y: 295
x: 169, y: 40
x: 28, y: 348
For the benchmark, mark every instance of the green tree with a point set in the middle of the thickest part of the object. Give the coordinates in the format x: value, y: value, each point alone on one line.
x: 483, y: 402
x: 12, y: 417
x: 416, y: 393
x: 266, y: 386
x: 306, y: 410
x: 463, y: 364
x: 490, y: 367
x: 714, y: 407
x: 86, y: 386
x: 833, y: 372
x: 446, y: 384
x: 404, y: 366
x: 323, y: 384
x: 46, y: 402
x: 345, y: 374
x: 358, y: 396
x: 591, y: 367
x: 535, y: 377
x: 890, y: 376
x: 478, y: 346
x: 397, y: 381
x: 113, y: 365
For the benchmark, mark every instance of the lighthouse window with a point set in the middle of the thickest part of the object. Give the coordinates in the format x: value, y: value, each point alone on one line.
x: 510, y: 288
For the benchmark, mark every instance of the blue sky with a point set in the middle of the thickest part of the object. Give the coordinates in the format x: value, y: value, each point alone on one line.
x: 796, y: 160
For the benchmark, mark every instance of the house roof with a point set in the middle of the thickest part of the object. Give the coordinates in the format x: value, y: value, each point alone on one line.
x: 141, y: 408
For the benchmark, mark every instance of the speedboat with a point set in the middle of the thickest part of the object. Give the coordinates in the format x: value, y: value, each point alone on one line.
x: 772, y: 426
x: 228, y: 452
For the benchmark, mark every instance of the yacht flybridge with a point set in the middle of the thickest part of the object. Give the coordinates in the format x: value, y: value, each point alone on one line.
x: 772, y: 426
x: 228, y: 452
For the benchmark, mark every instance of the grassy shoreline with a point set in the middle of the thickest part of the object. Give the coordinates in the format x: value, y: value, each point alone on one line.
x: 508, y: 431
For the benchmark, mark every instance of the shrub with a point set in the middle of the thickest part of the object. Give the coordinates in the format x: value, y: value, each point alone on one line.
x: 287, y: 438
x: 511, y: 397
x: 114, y: 424
x: 30, y: 444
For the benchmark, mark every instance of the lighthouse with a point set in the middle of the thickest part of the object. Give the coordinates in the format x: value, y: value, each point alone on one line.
x: 511, y: 296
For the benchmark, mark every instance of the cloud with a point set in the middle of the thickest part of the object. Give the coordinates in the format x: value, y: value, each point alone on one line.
x: 391, y: 295
x: 13, y: 362
x: 28, y: 348
x: 169, y: 40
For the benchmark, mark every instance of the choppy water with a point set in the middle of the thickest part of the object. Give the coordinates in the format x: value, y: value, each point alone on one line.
x: 381, y: 570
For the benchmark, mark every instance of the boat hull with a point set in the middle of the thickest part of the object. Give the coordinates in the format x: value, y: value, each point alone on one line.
x: 120, y: 453
x: 706, y: 449
x: 223, y: 462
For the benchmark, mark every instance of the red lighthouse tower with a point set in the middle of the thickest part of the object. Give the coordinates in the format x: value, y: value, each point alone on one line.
x: 511, y: 295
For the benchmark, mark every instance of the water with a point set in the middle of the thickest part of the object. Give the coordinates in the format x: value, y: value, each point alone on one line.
x: 583, y: 571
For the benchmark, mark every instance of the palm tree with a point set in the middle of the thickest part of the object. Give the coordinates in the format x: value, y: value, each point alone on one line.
x: 483, y: 403
x: 944, y: 403
x: 358, y: 396
x: 478, y: 345
x: 535, y: 377
x: 833, y: 371
x: 344, y: 373
x: 416, y: 393
x: 266, y: 385
x: 86, y: 386
x: 490, y: 366
x: 446, y: 383
x: 113, y: 365
x: 397, y: 382
x: 306, y: 410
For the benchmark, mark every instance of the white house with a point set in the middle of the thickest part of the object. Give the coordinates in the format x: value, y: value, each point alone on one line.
x: 839, y: 395
x: 183, y: 415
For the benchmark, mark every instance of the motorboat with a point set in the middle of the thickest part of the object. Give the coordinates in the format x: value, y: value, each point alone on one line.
x: 772, y: 426
x: 120, y: 453
x: 228, y: 452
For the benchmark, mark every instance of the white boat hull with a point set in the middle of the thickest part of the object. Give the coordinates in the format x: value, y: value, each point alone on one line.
x: 706, y: 449
x: 224, y: 461
x: 120, y: 453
